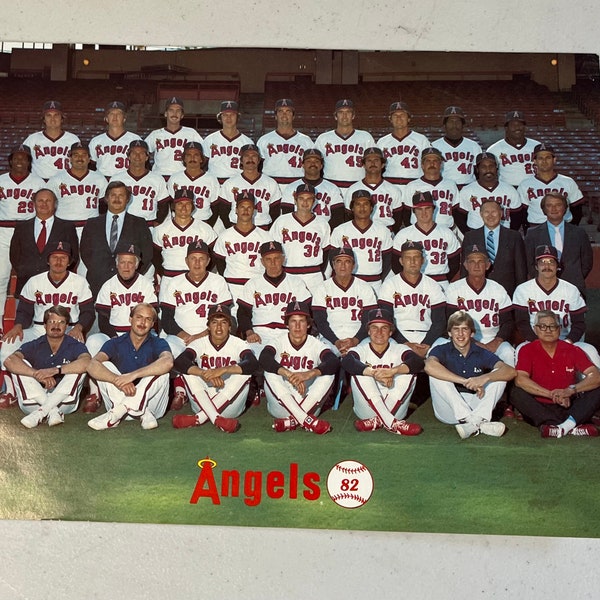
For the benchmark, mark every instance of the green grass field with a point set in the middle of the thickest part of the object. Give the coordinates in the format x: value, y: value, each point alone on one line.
x: 519, y: 484
x: 516, y: 485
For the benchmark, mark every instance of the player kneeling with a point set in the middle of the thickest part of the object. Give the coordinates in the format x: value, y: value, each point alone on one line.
x: 383, y: 377
x: 299, y: 374
x: 49, y: 371
x: 216, y: 371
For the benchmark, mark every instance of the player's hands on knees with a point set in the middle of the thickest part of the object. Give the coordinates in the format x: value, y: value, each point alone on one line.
x: 15, y: 333
x: 253, y: 337
x: 76, y: 332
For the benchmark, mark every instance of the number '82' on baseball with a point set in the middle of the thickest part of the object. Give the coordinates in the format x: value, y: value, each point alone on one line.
x: 350, y: 484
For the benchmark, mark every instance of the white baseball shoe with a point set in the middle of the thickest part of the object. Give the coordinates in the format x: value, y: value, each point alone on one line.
x: 148, y: 421
x: 33, y: 419
x: 106, y: 421
x: 493, y: 428
x: 55, y: 417
x: 466, y: 430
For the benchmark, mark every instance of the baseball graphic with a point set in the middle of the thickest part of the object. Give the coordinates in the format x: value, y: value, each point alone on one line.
x: 350, y: 484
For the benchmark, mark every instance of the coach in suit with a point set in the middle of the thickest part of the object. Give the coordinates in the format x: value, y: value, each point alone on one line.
x: 504, y: 246
x: 33, y: 238
x: 574, y: 248
x: 101, y: 234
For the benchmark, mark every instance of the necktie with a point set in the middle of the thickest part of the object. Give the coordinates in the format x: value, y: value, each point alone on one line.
x: 489, y: 245
x: 41, y: 241
x: 114, y: 233
x: 558, y: 241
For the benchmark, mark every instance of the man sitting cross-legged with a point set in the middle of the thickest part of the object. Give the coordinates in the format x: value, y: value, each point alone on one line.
x: 132, y: 371
x: 49, y: 371
x: 383, y: 377
x: 466, y: 380
x: 548, y: 390
x: 216, y: 370
x: 299, y: 374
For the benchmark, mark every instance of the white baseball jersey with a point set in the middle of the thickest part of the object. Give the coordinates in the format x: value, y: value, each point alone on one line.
x: 77, y: 198
x: 403, y: 155
x: 167, y: 147
x: 412, y: 304
x: 119, y: 297
x: 344, y: 155
x: 439, y: 244
x: 533, y: 189
x: 472, y: 196
x: 191, y: 300
x: 49, y: 156
x: 206, y: 189
x: 71, y: 292
x: 344, y: 306
x: 110, y: 154
x: 563, y: 300
x: 369, y: 246
x: 210, y: 357
x: 282, y: 156
x: 514, y: 164
x: 268, y: 302
x: 224, y: 154
x: 392, y: 356
x: 173, y: 241
x: 146, y: 192
x: 298, y: 358
x: 265, y: 189
x: 445, y: 196
x: 328, y: 196
x: 303, y: 243
x: 459, y: 161
x: 484, y: 305
x: 241, y: 253
x: 16, y: 198
x: 387, y: 196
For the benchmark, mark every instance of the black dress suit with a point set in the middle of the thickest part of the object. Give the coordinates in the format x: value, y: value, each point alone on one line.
x: 510, y: 267
x: 25, y: 257
x: 577, y: 256
x: 96, y: 253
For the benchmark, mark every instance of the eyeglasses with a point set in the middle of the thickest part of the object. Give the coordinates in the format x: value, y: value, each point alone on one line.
x: 51, y: 322
x: 544, y: 327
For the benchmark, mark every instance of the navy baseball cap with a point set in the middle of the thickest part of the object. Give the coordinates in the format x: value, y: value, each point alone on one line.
x: 116, y: 105
x: 412, y: 245
x: 454, y: 111
x: 373, y: 150
x: 219, y: 310
x: 344, y: 103
x: 297, y: 308
x: 245, y: 196
x: 396, y: 106
x: 229, y: 106
x: 138, y: 144
x: 79, y: 146
x: 183, y: 194
x: 544, y: 148
x: 52, y: 105
x: 514, y: 115
x: 362, y: 194
x: 193, y: 146
x: 270, y: 247
x: 312, y: 152
x: 198, y: 247
x: 60, y: 247
x: 422, y: 199
x: 249, y: 148
x: 431, y: 151
x: 486, y: 155
x: 174, y: 100
x: 380, y: 315
x: 545, y: 251
x: 343, y: 251
x: 475, y: 249
x: 20, y: 149
x: 284, y: 103
x: 128, y: 248
x: 305, y: 188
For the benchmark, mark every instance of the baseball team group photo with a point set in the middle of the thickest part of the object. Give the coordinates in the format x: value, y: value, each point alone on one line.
x: 281, y: 269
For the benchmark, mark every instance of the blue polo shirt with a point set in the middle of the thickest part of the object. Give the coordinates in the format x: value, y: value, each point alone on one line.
x: 126, y: 358
x: 39, y: 354
x: 477, y: 361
